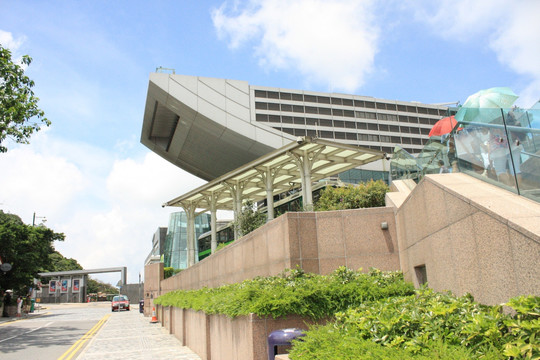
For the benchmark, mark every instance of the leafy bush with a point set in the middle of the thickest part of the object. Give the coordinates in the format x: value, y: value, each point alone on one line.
x: 170, y: 271
x: 370, y: 194
x: 429, y: 322
x: 328, y: 342
x: 292, y: 292
x: 524, y: 328
x: 249, y: 219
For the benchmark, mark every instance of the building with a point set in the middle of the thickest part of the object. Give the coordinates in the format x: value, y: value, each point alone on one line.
x: 175, y: 248
x: 158, y: 245
x: 210, y: 126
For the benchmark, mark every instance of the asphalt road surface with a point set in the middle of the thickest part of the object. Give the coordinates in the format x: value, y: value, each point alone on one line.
x: 55, y: 331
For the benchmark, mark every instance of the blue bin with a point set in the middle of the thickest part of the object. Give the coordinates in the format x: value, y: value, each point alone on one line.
x: 280, y: 338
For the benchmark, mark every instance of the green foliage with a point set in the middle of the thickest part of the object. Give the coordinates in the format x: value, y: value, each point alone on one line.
x: 377, y: 316
x: 431, y: 325
x: 221, y: 246
x: 328, y: 342
x: 249, y: 219
x: 411, y: 322
x: 18, y: 105
x: 170, y: 271
x: 27, y: 249
x: 370, y: 194
x: 60, y: 263
x: 524, y: 328
x: 95, y: 286
x: 292, y: 292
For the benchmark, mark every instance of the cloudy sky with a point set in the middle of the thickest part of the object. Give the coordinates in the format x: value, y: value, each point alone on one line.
x: 89, y: 175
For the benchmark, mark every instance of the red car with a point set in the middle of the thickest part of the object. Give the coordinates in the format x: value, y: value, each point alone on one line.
x: 120, y: 302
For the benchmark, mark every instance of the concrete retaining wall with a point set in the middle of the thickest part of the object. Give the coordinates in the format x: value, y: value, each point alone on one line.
x: 454, y: 231
x: 218, y: 337
x: 468, y: 236
x: 319, y: 242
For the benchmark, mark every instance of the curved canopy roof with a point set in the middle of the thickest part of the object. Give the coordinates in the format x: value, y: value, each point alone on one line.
x: 284, y: 166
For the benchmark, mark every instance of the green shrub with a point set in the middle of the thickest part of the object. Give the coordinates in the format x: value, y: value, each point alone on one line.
x: 328, y: 342
x: 221, y: 246
x: 370, y: 194
x: 523, y: 337
x: 432, y: 325
x: 169, y: 271
x: 292, y: 292
x: 249, y: 219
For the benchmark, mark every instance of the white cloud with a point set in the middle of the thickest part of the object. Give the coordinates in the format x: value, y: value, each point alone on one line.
x: 150, y: 182
x: 38, y: 182
x: 108, y: 208
x: 329, y: 42
x: 8, y: 41
x: 509, y: 28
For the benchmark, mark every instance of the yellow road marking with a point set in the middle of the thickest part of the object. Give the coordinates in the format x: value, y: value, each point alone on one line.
x: 79, y: 343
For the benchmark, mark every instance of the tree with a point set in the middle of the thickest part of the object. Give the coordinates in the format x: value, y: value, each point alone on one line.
x: 95, y: 286
x: 18, y: 105
x: 249, y: 219
x: 61, y: 263
x: 27, y: 248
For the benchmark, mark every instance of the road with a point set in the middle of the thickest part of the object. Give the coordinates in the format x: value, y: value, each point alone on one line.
x: 51, y: 335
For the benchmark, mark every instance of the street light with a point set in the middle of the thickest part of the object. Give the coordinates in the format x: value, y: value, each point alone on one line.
x: 38, y: 217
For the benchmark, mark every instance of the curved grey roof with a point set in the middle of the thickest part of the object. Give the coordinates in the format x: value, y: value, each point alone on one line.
x: 204, y: 125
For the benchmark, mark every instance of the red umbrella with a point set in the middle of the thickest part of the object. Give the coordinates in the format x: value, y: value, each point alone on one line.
x: 443, y: 126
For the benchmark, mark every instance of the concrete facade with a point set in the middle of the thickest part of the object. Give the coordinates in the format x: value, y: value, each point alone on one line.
x: 453, y: 231
x: 219, y: 337
x: 471, y: 237
x: 209, y: 126
x: 153, y: 275
x: 318, y: 242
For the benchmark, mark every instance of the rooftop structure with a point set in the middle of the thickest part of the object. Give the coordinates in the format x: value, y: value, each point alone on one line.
x: 210, y: 126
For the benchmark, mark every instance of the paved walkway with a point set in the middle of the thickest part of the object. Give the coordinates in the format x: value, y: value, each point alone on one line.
x: 130, y: 335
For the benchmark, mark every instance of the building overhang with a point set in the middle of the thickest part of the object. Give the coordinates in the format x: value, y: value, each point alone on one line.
x: 203, y: 125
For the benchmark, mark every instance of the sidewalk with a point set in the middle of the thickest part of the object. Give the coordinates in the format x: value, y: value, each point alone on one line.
x: 36, y: 313
x: 130, y: 335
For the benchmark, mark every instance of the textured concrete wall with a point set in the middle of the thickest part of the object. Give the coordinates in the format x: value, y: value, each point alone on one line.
x: 319, y: 242
x: 472, y: 237
x: 178, y: 325
x: 153, y: 276
x: 469, y: 236
x: 231, y: 339
x: 134, y: 292
x: 218, y: 337
x: 197, y: 337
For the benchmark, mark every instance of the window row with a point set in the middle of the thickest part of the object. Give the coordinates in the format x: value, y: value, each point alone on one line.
x: 348, y: 102
x: 336, y: 135
x: 341, y: 124
x: 342, y: 113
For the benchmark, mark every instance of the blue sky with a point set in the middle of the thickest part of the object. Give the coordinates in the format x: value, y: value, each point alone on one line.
x: 94, y: 181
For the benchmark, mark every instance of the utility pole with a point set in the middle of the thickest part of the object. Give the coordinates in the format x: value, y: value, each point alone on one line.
x: 38, y: 217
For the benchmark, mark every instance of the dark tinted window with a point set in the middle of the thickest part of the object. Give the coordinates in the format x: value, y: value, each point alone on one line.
x: 286, y: 96
x: 323, y: 99
x: 310, y: 98
x: 273, y: 95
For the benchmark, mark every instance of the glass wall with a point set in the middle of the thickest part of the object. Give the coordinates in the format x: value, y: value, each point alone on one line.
x: 175, y: 247
x: 356, y: 176
x: 499, y: 146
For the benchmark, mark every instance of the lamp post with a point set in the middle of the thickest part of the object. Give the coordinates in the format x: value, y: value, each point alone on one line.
x: 38, y: 217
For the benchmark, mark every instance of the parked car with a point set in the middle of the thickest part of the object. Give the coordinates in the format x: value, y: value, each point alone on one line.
x: 120, y: 302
